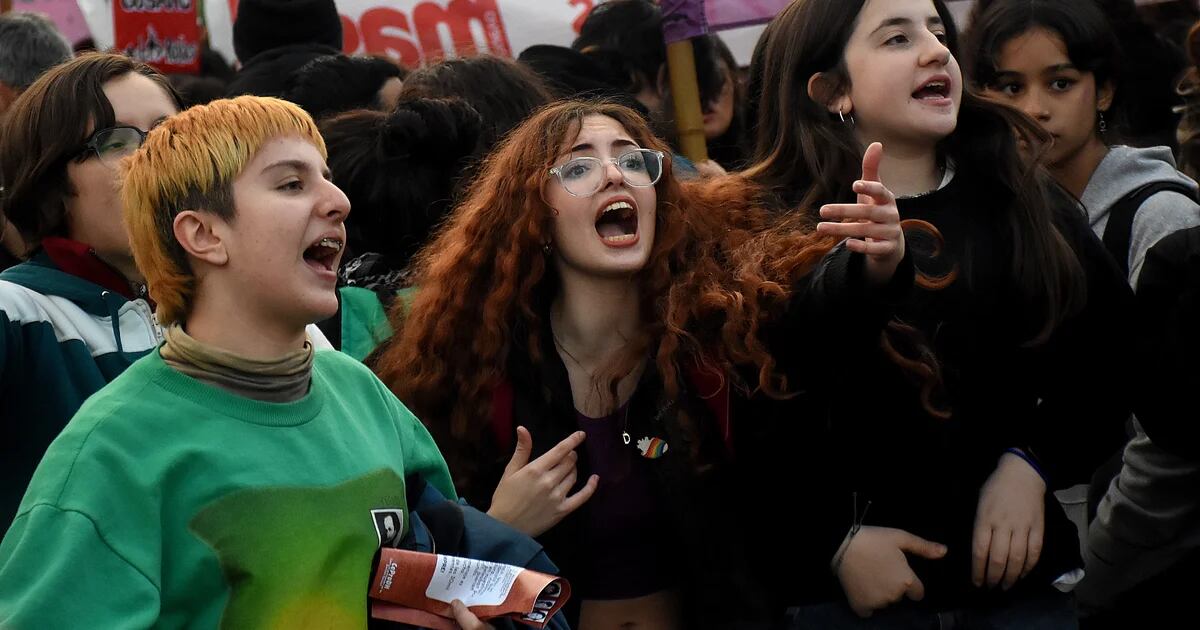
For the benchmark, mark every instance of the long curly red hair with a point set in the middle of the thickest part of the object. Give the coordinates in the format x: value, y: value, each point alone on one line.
x: 717, y: 269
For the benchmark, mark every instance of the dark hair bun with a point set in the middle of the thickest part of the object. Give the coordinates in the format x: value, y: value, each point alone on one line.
x: 439, y: 133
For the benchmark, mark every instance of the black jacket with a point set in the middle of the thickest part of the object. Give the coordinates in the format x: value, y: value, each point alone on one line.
x: 1169, y: 334
x: 865, y: 436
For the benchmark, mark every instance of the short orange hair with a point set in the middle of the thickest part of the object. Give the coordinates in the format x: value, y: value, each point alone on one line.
x: 189, y: 162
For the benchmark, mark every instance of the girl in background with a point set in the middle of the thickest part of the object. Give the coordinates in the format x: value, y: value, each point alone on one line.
x: 1057, y: 62
x: 75, y: 314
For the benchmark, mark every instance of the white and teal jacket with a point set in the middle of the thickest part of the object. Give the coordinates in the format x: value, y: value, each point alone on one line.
x: 62, y: 338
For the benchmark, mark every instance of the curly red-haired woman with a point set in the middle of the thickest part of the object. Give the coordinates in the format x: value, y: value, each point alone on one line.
x: 578, y: 292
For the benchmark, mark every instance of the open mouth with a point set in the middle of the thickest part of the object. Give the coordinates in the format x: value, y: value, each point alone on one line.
x: 934, y: 90
x: 618, y: 223
x: 322, y: 256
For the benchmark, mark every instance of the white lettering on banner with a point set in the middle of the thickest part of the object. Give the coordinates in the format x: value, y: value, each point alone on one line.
x: 426, y: 30
x: 156, y: 6
x: 151, y: 49
x: 421, y: 31
x: 520, y: 23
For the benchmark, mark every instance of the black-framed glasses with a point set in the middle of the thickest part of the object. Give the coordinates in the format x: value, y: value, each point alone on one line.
x: 584, y: 176
x: 112, y: 144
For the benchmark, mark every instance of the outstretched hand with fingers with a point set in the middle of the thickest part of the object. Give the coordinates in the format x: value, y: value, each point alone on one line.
x: 534, y: 496
x: 874, y: 570
x: 872, y: 225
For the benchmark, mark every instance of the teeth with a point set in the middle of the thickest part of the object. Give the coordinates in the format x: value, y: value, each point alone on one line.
x: 331, y: 243
x: 618, y: 205
x: 620, y: 239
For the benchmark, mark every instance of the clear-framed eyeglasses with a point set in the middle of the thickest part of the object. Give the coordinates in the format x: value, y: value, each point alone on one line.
x: 585, y: 176
x: 112, y: 144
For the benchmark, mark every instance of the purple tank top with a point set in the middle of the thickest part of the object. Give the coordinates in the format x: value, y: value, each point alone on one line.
x: 625, y: 550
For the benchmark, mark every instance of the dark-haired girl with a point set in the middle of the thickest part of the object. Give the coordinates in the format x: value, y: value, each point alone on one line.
x: 926, y: 500
x: 1057, y: 62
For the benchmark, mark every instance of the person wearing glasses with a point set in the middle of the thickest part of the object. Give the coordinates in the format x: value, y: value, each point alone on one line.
x: 76, y: 314
x: 582, y: 333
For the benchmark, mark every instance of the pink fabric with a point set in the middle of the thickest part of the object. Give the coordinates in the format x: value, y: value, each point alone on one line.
x: 684, y: 19
x: 722, y: 14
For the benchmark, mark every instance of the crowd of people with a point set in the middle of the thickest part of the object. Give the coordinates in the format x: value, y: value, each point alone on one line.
x: 913, y: 348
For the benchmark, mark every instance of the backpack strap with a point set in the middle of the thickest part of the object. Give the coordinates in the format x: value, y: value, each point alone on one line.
x: 712, y: 386
x: 1118, y: 232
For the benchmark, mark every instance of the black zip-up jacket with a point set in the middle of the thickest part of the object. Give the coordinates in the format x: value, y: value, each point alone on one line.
x: 865, y: 436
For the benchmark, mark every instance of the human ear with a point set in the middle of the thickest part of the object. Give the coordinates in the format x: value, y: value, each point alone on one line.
x: 1104, y: 96
x: 823, y: 91
x: 196, y: 233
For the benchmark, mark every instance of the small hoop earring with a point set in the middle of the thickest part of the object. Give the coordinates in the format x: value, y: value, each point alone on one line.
x: 1103, y: 124
x: 842, y: 117
x: 546, y: 249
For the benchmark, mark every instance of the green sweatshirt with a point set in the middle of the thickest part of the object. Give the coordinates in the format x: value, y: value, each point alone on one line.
x: 169, y: 503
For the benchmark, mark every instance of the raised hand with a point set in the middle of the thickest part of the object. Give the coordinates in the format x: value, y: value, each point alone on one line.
x: 874, y: 571
x: 871, y: 226
x: 534, y: 496
x: 1009, y: 524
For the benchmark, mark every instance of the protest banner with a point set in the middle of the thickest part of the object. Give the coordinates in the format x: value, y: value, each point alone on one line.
x: 452, y: 27
x: 421, y: 31
x: 162, y: 33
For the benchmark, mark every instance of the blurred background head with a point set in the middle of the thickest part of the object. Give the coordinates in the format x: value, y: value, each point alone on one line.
x: 625, y: 37
x: 30, y: 45
x: 274, y: 38
x: 334, y: 84
x: 502, y: 91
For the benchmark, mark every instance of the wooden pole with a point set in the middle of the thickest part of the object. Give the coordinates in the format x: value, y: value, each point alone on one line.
x: 5, y: 6
x: 689, y: 119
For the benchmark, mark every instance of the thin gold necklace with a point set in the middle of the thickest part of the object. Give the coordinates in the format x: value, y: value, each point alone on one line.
x: 558, y: 342
x: 625, y: 437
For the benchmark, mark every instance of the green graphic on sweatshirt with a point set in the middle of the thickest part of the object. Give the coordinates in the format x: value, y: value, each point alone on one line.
x: 301, y: 557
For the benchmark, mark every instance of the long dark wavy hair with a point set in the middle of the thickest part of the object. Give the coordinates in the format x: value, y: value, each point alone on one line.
x: 808, y: 158
x: 484, y: 283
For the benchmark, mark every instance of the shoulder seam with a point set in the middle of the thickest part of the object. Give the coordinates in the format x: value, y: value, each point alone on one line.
x: 102, y: 538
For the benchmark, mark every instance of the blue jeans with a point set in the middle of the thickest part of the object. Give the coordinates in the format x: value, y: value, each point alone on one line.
x: 1050, y: 611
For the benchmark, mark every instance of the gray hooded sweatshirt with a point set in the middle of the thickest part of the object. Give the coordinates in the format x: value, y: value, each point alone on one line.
x: 1150, y: 516
x: 1124, y: 170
